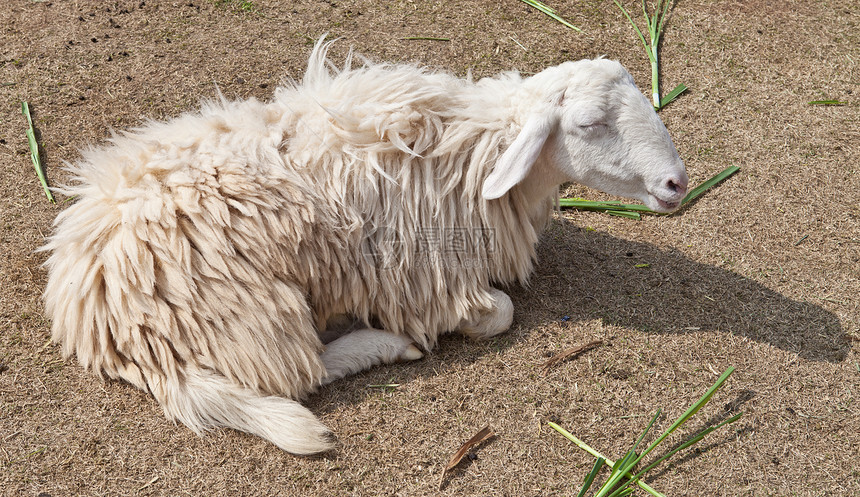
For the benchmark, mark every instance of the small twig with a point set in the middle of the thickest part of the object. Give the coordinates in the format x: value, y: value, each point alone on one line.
x: 29, y: 455
x: 428, y: 38
x: 414, y: 411
x: 569, y: 353
x: 832, y: 301
x: 360, y: 432
x: 801, y: 240
x: 518, y: 43
x: 149, y: 483
x: 484, y: 434
x: 808, y: 416
x: 67, y: 461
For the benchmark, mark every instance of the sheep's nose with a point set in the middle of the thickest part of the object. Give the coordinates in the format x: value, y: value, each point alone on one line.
x: 678, y: 185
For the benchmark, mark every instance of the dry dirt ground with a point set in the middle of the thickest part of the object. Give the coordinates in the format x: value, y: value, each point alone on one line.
x: 760, y: 274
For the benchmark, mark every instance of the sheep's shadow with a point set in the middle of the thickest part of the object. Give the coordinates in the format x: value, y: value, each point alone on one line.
x: 586, y: 275
x: 589, y: 274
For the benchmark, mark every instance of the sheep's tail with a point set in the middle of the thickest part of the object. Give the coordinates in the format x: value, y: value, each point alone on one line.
x: 205, y: 399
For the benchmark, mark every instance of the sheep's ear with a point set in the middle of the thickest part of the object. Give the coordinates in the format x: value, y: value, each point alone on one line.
x: 514, y: 165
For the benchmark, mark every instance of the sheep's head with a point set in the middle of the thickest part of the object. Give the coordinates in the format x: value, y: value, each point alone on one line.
x: 588, y: 122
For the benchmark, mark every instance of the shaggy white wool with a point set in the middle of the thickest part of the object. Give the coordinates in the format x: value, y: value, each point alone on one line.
x: 203, y: 256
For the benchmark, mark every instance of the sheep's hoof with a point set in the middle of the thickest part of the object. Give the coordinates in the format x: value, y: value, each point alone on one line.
x: 412, y: 353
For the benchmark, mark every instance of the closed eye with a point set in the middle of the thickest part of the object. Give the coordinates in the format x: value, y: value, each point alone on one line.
x: 594, y: 127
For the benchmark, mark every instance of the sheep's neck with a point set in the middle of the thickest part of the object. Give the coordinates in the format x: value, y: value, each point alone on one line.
x: 541, y: 183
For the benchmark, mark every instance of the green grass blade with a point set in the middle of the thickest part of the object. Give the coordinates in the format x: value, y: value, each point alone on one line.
x: 584, y: 446
x: 34, y: 152
x: 626, y: 214
x: 602, y: 205
x: 623, y: 490
x: 614, y: 487
x: 716, y: 179
x: 589, y: 479
x: 695, y: 439
x: 680, y: 421
x: 629, y: 462
x: 619, y: 470
x: 655, y: 80
x: 633, y: 23
x: 827, y: 102
x: 654, y: 32
x: 652, y: 24
x: 692, y: 410
x: 647, y: 429
x: 665, y: 5
x: 546, y: 9
x: 672, y: 95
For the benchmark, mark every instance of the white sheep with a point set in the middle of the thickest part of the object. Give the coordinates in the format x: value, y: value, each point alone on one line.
x: 204, y: 256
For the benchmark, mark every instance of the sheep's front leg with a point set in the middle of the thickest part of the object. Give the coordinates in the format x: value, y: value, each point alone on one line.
x: 493, y: 322
x: 362, y: 349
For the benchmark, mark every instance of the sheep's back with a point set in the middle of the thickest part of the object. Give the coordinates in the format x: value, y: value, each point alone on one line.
x: 184, y: 248
x: 399, y: 153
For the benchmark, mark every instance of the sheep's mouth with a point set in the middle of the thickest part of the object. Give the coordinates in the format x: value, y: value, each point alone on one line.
x: 658, y: 204
x: 668, y: 206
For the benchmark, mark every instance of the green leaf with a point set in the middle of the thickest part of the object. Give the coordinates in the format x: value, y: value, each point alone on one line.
x: 696, y: 438
x: 629, y: 215
x: 34, y: 152
x: 662, y: 16
x: 602, y: 205
x: 715, y: 180
x: 654, y: 24
x: 625, y: 467
x: 619, y: 470
x: 828, y: 102
x: 672, y: 95
x: 582, y: 445
x: 589, y: 479
x: 692, y: 410
x: 638, y: 31
x: 616, y: 486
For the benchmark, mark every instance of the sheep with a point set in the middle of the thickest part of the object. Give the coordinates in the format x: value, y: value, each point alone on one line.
x: 207, y: 259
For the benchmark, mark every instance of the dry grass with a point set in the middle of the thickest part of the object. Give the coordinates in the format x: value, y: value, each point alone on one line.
x: 726, y: 283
